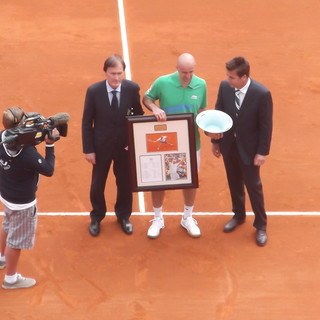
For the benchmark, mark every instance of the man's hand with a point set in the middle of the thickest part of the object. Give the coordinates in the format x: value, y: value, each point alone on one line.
x: 259, y: 160
x: 215, y: 136
x: 215, y: 147
x: 159, y: 113
x: 55, y: 134
x: 90, y: 157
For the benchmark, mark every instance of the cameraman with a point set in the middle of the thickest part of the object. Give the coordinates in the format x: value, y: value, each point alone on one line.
x: 19, y: 177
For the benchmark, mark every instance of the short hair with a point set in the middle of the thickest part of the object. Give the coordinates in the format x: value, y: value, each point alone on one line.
x: 240, y: 65
x: 12, y: 117
x: 113, y: 61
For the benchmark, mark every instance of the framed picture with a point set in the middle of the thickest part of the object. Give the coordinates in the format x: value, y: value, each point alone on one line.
x: 162, y: 154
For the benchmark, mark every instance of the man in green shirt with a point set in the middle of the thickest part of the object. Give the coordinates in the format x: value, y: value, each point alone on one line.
x: 179, y: 92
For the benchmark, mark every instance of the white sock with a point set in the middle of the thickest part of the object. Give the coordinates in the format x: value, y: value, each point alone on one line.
x: 187, y: 212
x: 158, y: 212
x: 11, y: 279
x: 2, y: 258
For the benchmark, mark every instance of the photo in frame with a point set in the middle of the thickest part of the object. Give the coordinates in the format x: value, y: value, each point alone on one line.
x: 162, y: 154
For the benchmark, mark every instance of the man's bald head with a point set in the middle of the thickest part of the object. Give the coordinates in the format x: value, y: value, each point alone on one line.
x: 185, y: 67
x: 186, y: 59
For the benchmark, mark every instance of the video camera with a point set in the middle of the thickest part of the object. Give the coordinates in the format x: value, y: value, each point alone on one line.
x: 34, y: 129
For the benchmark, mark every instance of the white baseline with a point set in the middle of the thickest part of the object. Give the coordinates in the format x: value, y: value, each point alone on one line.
x: 273, y: 213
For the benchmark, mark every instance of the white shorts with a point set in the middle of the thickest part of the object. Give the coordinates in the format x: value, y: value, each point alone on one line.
x: 198, y: 160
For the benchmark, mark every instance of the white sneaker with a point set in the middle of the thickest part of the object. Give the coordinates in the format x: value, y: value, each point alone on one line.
x: 156, y: 225
x: 192, y: 226
x: 2, y: 264
x: 21, y: 282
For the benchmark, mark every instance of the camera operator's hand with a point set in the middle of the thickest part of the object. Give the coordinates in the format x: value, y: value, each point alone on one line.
x: 54, y: 134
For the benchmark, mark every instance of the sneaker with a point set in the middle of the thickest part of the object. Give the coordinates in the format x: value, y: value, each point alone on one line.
x: 2, y: 264
x: 192, y: 226
x: 156, y: 226
x: 20, y: 283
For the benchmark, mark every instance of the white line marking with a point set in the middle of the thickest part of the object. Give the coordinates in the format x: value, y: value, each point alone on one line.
x: 124, y: 38
x: 126, y: 58
x: 274, y: 213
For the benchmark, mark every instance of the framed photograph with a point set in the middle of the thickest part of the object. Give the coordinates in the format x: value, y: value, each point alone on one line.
x: 162, y: 154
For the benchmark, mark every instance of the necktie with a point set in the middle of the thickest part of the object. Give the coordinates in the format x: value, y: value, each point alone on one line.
x: 237, y: 98
x: 114, y: 102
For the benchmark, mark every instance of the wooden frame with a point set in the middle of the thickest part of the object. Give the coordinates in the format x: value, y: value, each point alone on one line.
x: 162, y: 154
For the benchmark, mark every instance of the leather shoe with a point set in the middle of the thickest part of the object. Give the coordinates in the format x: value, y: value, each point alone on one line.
x: 261, y: 237
x: 232, y: 225
x: 126, y: 225
x: 94, y: 228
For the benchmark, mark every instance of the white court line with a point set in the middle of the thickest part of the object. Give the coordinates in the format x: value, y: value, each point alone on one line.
x: 126, y: 58
x: 274, y: 213
x: 124, y: 39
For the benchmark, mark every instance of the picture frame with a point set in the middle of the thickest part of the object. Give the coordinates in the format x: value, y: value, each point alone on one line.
x: 162, y: 153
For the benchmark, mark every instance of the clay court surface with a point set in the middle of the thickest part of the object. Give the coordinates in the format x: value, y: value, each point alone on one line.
x: 50, y: 52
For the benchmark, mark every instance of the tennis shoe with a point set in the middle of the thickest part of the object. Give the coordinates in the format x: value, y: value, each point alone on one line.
x: 21, y: 282
x: 2, y: 264
x: 191, y: 225
x: 156, y: 225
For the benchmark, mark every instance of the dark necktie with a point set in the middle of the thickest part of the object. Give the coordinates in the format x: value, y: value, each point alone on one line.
x: 237, y: 98
x: 114, y: 102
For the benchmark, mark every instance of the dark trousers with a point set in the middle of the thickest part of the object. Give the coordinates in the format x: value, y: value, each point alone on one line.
x: 239, y: 176
x: 121, y: 170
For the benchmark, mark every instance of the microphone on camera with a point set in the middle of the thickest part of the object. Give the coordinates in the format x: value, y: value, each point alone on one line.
x: 59, y: 119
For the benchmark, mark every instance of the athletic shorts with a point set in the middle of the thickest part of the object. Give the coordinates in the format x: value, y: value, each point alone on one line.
x: 20, y: 226
x: 198, y: 159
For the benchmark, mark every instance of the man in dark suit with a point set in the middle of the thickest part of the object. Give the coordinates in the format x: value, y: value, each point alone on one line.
x: 245, y: 146
x: 104, y: 139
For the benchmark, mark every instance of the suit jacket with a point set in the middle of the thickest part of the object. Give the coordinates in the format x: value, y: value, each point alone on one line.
x: 252, y: 124
x: 101, y: 130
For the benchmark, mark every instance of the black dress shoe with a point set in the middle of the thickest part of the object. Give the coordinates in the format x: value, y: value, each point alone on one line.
x: 126, y: 225
x: 232, y: 224
x: 94, y: 228
x: 261, y: 237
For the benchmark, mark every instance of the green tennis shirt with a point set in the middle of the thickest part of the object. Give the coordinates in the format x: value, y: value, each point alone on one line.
x: 174, y: 98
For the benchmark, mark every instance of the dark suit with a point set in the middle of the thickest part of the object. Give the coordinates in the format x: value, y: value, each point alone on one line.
x: 104, y: 133
x: 250, y: 135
